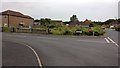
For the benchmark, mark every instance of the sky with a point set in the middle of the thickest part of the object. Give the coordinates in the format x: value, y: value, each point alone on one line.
x: 95, y: 10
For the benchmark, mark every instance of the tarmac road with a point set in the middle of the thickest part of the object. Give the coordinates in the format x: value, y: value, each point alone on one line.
x: 64, y: 50
x: 15, y: 54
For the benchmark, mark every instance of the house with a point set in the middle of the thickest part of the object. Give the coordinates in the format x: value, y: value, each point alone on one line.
x: 74, y: 23
x: 56, y: 21
x: 15, y: 19
x: 85, y: 23
x: 114, y: 24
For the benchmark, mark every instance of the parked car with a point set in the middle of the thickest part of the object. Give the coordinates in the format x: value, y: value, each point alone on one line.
x: 112, y: 27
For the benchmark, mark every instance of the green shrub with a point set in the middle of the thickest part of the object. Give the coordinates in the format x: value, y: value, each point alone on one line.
x: 64, y: 30
x: 98, y: 30
x: 117, y: 28
x: 67, y: 32
x: 84, y: 30
x: 89, y: 31
x: 71, y: 30
x: 56, y: 31
x: 6, y: 29
x: 39, y: 28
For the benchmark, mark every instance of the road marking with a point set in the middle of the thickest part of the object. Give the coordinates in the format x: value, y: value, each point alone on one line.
x: 110, y: 39
x: 107, y: 40
x: 38, y: 59
x: 113, y: 41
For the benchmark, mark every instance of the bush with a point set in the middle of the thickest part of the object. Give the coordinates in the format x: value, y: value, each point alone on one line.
x: 98, y: 30
x: 6, y: 29
x: 56, y: 31
x: 67, y: 32
x: 117, y: 28
x: 96, y: 34
x: 89, y: 31
x: 74, y: 30
x: 39, y: 28
x: 63, y: 30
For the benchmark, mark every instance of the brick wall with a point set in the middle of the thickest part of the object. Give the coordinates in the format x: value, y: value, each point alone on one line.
x: 4, y: 19
x: 14, y: 21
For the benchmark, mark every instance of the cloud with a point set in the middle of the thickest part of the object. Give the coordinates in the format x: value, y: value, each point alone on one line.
x: 63, y: 9
x: 63, y: 1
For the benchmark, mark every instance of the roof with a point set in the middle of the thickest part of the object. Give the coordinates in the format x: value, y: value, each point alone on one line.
x: 56, y: 20
x: 14, y: 13
x: 87, y: 20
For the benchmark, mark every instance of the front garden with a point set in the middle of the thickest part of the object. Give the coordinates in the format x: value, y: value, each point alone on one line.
x: 75, y: 30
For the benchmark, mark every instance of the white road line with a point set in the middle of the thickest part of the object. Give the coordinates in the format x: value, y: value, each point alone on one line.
x: 110, y: 39
x: 113, y: 41
x: 38, y: 59
x: 107, y: 40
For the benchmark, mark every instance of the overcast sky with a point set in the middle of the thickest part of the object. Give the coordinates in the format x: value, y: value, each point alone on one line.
x: 98, y: 10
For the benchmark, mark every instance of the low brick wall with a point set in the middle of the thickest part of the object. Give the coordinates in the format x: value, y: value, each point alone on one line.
x: 40, y: 31
x: 23, y: 30
x: 32, y: 31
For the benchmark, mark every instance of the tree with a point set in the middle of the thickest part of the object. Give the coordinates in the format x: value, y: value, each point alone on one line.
x: 73, y: 18
x: 109, y: 21
x: 36, y: 20
x: 42, y: 21
x: 119, y: 20
x: 45, y: 22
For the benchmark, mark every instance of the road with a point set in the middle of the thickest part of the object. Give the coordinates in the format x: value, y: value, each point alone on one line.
x: 65, y: 50
x: 0, y: 49
x: 114, y: 35
x: 16, y: 54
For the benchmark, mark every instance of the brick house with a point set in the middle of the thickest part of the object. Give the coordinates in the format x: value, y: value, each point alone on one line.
x: 74, y: 23
x: 57, y: 21
x: 85, y: 23
x: 11, y: 18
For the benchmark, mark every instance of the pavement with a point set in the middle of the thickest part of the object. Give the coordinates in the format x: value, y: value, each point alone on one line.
x: 61, y: 50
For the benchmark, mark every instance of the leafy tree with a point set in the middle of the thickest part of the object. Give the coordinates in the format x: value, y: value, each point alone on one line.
x: 45, y: 22
x: 42, y: 21
x: 119, y: 20
x: 73, y: 18
x: 36, y: 20
x: 109, y: 21
x: 97, y: 23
